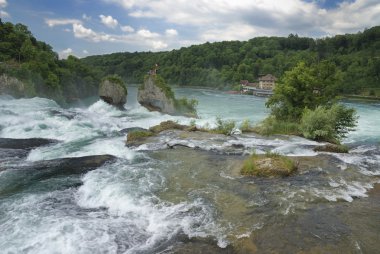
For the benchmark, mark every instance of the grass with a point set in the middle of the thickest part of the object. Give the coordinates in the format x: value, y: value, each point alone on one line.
x: 272, y: 126
x: 246, y: 126
x: 268, y: 165
x: 223, y: 127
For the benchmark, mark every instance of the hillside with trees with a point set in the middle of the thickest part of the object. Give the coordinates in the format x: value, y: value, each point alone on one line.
x: 224, y: 64
x: 35, y: 64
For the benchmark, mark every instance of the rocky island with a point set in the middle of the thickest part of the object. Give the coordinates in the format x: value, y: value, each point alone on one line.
x: 113, y: 91
x: 155, y: 95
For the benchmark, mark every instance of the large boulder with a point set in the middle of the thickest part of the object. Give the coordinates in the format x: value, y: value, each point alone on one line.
x: 11, y: 86
x: 155, y: 95
x: 113, y: 91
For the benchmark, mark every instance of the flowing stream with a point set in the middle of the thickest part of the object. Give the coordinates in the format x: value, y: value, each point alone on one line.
x: 156, y: 200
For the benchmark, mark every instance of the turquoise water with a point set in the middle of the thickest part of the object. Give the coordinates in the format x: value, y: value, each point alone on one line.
x: 153, y: 200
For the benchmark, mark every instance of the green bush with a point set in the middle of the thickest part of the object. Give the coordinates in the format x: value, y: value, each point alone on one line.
x: 328, y: 124
x: 271, y: 125
x: 224, y: 126
x: 184, y: 105
x: 318, y: 124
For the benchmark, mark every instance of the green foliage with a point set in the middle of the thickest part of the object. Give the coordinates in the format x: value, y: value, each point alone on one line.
x: 271, y: 125
x: 184, y: 105
x: 328, y: 124
x: 224, y: 126
x: 246, y: 126
x: 304, y: 87
x: 318, y: 124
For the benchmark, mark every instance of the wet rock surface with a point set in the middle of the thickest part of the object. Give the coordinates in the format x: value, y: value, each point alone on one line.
x: 27, y: 173
x: 30, y: 143
x: 113, y: 93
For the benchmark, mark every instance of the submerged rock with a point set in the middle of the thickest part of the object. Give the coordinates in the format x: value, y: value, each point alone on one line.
x: 332, y: 148
x: 77, y: 165
x: 113, y: 91
x: 27, y: 173
x: 28, y: 144
x: 132, y: 129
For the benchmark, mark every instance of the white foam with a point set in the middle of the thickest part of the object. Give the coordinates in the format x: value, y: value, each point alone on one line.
x: 129, y: 191
x: 112, y: 146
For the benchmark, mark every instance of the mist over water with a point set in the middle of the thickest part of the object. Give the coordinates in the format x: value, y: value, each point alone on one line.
x: 152, y: 200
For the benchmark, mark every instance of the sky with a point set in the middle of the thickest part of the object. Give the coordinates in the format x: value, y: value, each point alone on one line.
x: 93, y: 27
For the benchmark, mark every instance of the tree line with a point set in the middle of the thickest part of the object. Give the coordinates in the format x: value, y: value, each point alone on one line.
x: 224, y: 64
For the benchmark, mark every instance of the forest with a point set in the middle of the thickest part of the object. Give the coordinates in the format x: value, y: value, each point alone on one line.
x: 36, y: 64
x: 224, y: 64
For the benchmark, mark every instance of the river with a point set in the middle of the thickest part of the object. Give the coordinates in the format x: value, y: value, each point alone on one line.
x: 155, y: 200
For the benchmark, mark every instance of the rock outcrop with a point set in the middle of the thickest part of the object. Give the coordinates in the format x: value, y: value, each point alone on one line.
x: 155, y: 97
x: 113, y: 91
x: 11, y: 86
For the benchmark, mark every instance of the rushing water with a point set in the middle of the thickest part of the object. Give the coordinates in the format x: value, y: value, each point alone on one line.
x: 154, y: 200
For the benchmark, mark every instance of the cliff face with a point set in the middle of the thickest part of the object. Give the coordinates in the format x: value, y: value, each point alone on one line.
x: 154, y: 98
x: 11, y: 86
x: 112, y: 93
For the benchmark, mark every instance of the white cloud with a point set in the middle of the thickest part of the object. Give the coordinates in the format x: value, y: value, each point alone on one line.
x: 108, y: 21
x: 213, y: 19
x: 143, y: 38
x: 127, y: 29
x: 3, y: 3
x: 61, y: 22
x: 65, y: 53
x: 4, y: 14
x: 158, y: 45
x: 147, y: 34
x: 88, y: 34
x: 85, y: 52
x: 171, y: 32
x: 67, y: 30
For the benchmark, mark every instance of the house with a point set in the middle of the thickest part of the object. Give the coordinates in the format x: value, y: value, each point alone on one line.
x: 267, y: 82
x: 263, y: 88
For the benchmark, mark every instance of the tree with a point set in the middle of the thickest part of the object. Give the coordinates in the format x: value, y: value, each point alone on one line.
x: 304, y: 87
